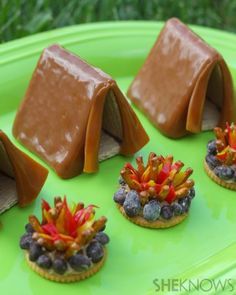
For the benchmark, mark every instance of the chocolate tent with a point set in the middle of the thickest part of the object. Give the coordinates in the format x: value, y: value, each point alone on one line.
x: 74, y: 115
x: 184, y: 85
x: 21, y: 178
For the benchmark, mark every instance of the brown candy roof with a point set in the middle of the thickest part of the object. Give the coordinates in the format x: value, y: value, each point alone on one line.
x: 68, y: 107
x: 184, y: 84
x: 21, y: 178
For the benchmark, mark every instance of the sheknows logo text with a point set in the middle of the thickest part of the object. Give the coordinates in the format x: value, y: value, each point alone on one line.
x: 203, y: 285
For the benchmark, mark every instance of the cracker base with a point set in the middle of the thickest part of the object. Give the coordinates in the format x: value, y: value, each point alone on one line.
x: 160, y: 223
x: 219, y: 181
x: 67, y: 278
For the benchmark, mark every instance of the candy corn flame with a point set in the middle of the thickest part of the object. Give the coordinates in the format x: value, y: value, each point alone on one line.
x: 66, y: 229
x: 226, y: 144
x: 161, y: 178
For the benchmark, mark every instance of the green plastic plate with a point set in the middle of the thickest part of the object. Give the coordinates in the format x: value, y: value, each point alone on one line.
x: 202, y: 247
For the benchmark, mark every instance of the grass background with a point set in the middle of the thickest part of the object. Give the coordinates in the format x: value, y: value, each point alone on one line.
x: 20, y: 18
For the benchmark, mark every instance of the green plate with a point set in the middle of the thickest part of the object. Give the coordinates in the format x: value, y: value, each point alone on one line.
x: 202, y: 247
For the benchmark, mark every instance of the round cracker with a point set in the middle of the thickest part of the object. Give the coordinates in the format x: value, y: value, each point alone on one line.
x: 219, y: 181
x: 160, y: 223
x: 66, y: 278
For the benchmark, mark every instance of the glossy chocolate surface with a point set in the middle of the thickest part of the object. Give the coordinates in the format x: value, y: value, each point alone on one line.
x: 26, y: 176
x: 177, y: 76
x: 61, y: 116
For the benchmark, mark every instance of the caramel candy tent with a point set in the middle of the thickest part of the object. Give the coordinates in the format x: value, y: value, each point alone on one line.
x: 184, y: 85
x: 21, y: 178
x: 68, y: 107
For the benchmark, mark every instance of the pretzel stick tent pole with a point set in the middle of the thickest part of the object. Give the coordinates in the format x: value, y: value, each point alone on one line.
x: 184, y: 85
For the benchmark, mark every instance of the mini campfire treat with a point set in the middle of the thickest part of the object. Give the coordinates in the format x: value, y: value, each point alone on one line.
x: 68, y: 244
x: 220, y: 162
x: 21, y: 178
x: 66, y: 102
x: 157, y: 195
x: 184, y: 85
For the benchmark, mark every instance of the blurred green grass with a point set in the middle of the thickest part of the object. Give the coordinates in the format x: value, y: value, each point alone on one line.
x: 20, y: 18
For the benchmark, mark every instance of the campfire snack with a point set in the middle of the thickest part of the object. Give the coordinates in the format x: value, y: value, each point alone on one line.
x: 68, y: 244
x: 184, y: 85
x: 220, y: 161
x: 157, y: 195
x: 21, y: 178
x: 67, y: 99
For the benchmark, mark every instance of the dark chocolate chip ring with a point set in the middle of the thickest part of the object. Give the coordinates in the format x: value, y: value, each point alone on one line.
x: 160, y: 223
x: 219, y: 181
